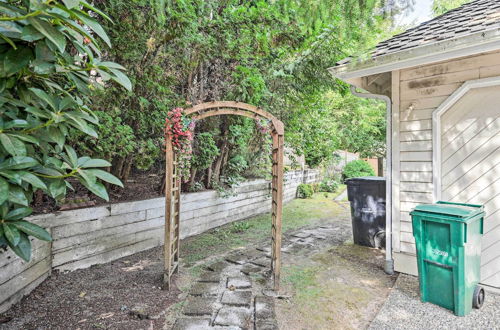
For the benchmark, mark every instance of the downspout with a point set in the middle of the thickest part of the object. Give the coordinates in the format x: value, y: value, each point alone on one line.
x: 389, y: 262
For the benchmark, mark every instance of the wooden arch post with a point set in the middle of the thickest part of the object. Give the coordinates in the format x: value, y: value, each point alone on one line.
x: 173, y: 185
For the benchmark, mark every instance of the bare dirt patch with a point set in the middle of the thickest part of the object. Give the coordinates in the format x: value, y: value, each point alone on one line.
x: 123, y: 294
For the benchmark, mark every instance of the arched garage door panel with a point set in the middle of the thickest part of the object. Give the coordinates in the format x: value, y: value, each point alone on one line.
x: 470, y: 166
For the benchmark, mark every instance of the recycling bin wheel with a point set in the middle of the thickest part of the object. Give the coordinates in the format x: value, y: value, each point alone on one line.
x: 478, y: 297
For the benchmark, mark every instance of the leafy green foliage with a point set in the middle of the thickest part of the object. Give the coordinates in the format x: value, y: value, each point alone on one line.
x: 440, y: 7
x: 50, y: 57
x: 357, y: 168
x: 329, y: 185
x: 305, y: 190
x: 272, y: 54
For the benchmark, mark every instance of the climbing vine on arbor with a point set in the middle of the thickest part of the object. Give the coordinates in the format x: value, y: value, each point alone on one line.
x: 179, y: 128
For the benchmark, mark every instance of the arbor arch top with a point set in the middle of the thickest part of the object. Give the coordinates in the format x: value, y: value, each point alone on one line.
x: 173, y: 184
x: 216, y: 108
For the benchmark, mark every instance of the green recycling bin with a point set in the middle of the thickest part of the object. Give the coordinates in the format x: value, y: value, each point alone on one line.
x: 448, y: 241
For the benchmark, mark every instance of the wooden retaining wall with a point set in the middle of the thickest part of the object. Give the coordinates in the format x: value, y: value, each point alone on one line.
x: 86, y: 237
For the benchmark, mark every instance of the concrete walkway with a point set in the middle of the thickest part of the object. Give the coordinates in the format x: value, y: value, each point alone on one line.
x: 404, y: 310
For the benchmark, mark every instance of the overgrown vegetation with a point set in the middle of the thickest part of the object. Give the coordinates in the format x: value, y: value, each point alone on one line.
x: 272, y: 54
x: 50, y: 63
x: 357, y: 168
x: 440, y: 7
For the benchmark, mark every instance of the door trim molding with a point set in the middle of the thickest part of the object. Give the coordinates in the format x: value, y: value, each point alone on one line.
x: 436, y: 125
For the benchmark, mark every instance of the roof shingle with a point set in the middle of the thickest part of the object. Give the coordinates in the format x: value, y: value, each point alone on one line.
x: 473, y: 17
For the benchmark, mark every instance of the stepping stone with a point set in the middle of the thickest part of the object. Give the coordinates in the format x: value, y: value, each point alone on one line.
x: 198, y: 306
x: 239, y: 282
x: 191, y: 324
x: 238, y: 259
x: 264, y: 248
x: 266, y: 325
x: 249, y: 268
x: 302, y: 235
x: 204, y: 289
x: 218, y: 266
x: 262, y: 262
x: 237, y: 298
x: 254, y: 254
x: 264, y: 308
x: 210, y: 277
x: 234, y: 316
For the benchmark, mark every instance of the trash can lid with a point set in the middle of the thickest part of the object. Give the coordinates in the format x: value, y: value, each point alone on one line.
x: 451, y: 209
x: 366, y: 178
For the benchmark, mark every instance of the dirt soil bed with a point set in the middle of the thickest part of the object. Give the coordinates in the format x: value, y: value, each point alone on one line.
x: 123, y: 294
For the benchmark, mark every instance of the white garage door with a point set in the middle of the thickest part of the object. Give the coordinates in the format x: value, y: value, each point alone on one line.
x: 470, y: 166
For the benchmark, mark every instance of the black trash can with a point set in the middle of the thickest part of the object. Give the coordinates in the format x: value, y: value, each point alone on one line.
x: 367, y: 197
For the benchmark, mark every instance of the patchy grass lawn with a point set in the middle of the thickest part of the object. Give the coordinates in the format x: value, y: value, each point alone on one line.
x: 296, y: 214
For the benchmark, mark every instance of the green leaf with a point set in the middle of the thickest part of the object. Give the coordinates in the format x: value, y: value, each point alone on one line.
x: 17, y: 196
x: 71, y: 3
x: 73, y: 158
x: 57, y: 136
x: 121, y: 78
x: 113, y: 65
x: 97, y: 188
x: 4, y: 190
x: 57, y: 188
x: 12, y: 234
x: 13, y: 145
x: 80, y: 124
x: 18, y: 213
x: 16, y: 59
x: 44, y: 96
x: 24, y: 137
x: 87, y: 176
x: 50, y: 32
x: 32, y: 229
x: 18, y: 163
x: 94, y: 25
x: 23, y: 249
x: 94, y: 9
x: 96, y: 163
x: 31, y: 34
x: 33, y: 180
x: 106, y: 176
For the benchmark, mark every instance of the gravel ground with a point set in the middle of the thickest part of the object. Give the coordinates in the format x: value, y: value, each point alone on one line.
x: 404, y: 310
x: 123, y: 294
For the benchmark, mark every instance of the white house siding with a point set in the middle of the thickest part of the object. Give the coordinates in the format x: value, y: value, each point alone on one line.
x: 470, y: 166
x: 419, y: 92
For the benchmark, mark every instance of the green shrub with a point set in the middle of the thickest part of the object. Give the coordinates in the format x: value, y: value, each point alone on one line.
x: 329, y: 185
x: 305, y: 190
x: 315, y: 187
x: 357, y: 168
x: 48, y: 52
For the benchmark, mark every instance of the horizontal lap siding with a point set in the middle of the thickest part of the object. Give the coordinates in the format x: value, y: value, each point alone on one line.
x: 421, y: 91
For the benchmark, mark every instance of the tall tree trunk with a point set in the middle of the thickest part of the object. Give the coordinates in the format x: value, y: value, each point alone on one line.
x: 192, y: 177
x: 208, y: 179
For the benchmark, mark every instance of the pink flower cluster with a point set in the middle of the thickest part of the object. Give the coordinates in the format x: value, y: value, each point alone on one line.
x: 180, y: 130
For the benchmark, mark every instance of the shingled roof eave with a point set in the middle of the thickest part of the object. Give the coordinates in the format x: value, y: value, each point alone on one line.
x: 475, y: 43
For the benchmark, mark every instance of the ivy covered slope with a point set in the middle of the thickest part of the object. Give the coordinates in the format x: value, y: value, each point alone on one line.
x: 49, y: 63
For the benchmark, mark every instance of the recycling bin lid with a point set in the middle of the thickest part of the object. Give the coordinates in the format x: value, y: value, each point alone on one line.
x: 457, y: 210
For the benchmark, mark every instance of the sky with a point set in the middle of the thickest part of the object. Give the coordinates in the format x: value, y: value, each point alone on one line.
x: 421, y: 13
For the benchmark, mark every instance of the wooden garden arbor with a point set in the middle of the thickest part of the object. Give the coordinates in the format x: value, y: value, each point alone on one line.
x: 173, y: 184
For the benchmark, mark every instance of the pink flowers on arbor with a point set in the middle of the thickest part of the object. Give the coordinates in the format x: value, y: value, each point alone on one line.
x: 179, y: 129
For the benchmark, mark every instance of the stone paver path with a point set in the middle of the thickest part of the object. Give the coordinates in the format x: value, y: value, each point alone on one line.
x: 231, y: 293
